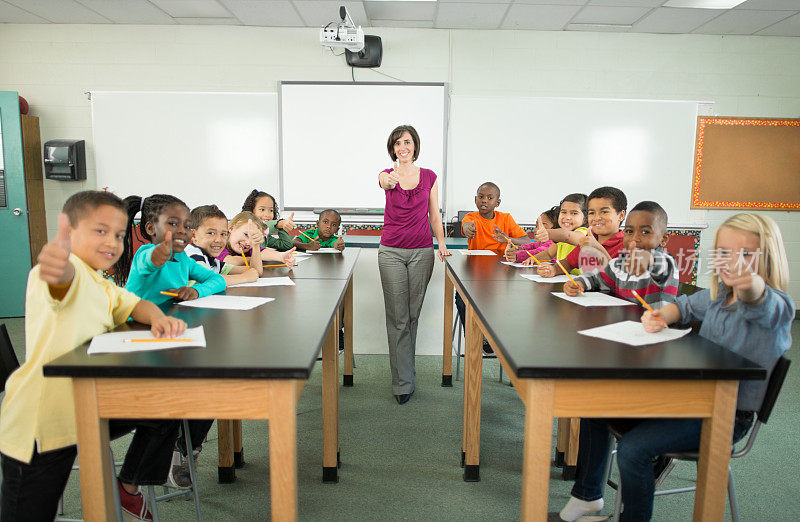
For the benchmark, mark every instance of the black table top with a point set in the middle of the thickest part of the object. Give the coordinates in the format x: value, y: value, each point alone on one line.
x: 278, y: 340
x: 320, y: 266
x: 537, y: 334
x: 486, y: 268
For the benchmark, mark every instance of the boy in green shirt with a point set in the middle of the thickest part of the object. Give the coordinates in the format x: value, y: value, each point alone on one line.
x: 324, y: 236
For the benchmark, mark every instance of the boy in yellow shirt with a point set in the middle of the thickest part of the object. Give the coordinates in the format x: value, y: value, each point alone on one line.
x: 67, y: 303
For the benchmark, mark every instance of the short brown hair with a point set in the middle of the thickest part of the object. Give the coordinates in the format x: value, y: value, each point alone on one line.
x: 201, y: 213
x: 81, y: 203
x: 395, y: 135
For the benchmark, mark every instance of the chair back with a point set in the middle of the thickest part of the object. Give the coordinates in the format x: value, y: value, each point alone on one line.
x: 773, y: 388
x: 8, y: 359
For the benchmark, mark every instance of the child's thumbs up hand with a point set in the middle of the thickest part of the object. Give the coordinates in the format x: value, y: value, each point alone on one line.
x: 54, y: 265
x: 540, y: 235
x: 163, y: 251
x: 287, y: 224
x: 288, y: 258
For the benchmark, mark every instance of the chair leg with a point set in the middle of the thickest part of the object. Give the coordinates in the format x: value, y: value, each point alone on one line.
x: 192, y: 469
x: 60, y: 510
x: 151, y: 500
x: 732, y: 497
x: 618, y: 503
x: 458, y: 344
x: 501, y: 373
x: 115, y: 489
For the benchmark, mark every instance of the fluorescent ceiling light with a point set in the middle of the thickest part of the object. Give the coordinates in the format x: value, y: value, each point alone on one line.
x: 705, y: 4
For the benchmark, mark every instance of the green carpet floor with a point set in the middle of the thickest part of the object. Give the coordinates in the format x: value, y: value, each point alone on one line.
x: 402, y: 462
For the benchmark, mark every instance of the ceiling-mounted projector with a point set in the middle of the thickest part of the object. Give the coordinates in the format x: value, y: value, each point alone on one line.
x: 343, y: 34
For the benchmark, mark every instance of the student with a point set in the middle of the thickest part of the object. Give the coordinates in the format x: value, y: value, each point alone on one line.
x: 265, y: 208
x: 209, y: 237
x: 606, y: 212
x: 163, y: 266
x: 747, y: 311
x: 240, y: 236
x: 513, y: 253
x: 571, y: 230
x: 67, y: 302
x: 643, y: 267
x: 324, y: 236
x: 488, y: 229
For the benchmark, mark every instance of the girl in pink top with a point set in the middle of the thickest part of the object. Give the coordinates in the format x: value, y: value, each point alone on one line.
x: 405, y: 255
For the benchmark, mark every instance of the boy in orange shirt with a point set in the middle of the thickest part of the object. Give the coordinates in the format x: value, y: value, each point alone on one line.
x: 488, y: 229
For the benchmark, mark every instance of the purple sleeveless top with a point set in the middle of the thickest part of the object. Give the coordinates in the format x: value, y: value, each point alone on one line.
x: 405, y: 219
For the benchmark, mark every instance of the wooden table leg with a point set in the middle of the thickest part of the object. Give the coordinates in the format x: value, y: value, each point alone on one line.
x: 571, y: 454
x: 238, y: 449
x: 95, y: 461
x: 715, y: 454
x: 473, y: 374
x: 283, y: 451
x: 536, y: 449
x: 226, y: 472
x: 347, y: 378
x: 447, y: 347
x: 330, y: 407
x: 562, y: 441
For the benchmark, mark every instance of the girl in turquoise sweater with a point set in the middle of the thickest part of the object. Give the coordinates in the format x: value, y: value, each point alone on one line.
x: 162, y: 266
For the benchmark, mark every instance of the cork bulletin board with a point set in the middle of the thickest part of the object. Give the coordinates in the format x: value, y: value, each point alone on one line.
x: 746, y: 163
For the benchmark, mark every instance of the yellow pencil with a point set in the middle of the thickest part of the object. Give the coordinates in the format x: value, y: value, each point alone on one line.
x: 245, y: 260
x: 171, y: 294
x: 580, y: 288
x: 273, y: 266
x: 164, y: 340
x: 307, y: 236
x: 637, y: 296
x: 531, y: 256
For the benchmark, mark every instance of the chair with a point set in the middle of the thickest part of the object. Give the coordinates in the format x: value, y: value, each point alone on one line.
x: 458, y: 325
x: 762, y: 416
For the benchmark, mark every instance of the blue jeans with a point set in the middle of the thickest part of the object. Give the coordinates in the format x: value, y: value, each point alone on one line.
x: 643, y: 440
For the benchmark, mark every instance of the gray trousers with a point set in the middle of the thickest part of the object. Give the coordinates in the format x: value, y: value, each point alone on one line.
x: 405, y: 274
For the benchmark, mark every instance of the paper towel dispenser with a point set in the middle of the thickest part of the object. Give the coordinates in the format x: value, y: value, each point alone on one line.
x: 65, y: 160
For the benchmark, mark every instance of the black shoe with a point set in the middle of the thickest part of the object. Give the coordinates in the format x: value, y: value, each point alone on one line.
x: 487, y: 348
x: 341, y: 340
x: 403, y: 398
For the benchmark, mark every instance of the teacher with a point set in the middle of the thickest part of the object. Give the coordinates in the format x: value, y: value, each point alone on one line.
x: 405, y: 255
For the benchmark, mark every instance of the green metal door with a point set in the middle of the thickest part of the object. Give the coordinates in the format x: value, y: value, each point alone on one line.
x: 14, y: 236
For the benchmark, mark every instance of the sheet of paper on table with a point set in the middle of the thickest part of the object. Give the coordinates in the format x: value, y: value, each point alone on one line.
x: 539, y: 279
x: 120, y: 342
x: 468, y: 252
x: 517, y: 265
x: 633, y: 333
x: 593, y: 299
x: 327, y: 250
x: 227, y: 302
x: 268, y: 281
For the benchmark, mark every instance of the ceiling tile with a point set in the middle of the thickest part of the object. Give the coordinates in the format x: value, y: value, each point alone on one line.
x: 674, y: 20
x: 317, y: 13
x: 192, y: 8
x: 770, y: 5
x: 265, y: 14
x: 129, y: 11
x: 470, y: 16
x: 61, y: 11
x: 11, y: 14
x: 625, y: 3
x: 741, y: 22
x: 609, y: 15
x: 413, y: 24
x: 208, y: 21
x: 539, y: 17
x: 550, y: 2
x: 788, y: 27
x: 400, y: 10
x: 482, y: 1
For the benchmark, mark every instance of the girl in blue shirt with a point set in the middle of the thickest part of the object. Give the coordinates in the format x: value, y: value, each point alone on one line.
x: 162, y: 265
x: 747, y: 311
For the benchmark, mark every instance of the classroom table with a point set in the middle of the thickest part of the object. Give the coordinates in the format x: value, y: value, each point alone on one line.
x: 243, y: 373
x: 319, y: 266
x: 560, y: 373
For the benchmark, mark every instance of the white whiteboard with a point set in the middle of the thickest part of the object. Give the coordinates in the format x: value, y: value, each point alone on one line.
x: 333, y: 139
x: 540, y: 149
x: 201, y: 147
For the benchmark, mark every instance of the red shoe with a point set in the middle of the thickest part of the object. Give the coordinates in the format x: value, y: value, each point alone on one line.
x: 133, y: 506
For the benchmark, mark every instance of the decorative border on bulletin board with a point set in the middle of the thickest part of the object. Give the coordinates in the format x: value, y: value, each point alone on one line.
x: 702, y: 122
